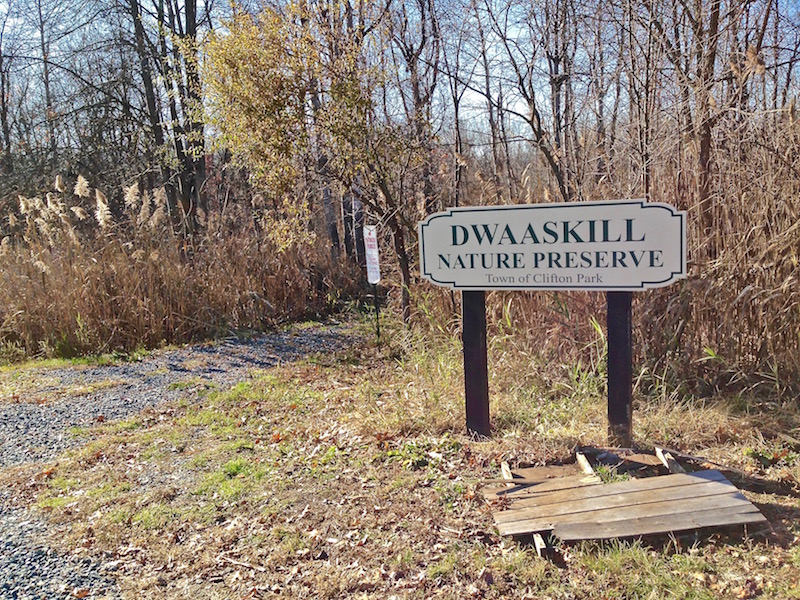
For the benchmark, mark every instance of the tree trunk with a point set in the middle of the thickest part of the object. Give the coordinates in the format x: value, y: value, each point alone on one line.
x: 7, y: 162
x: 705, y: 122
x: 195, y: 134
x: 147, y: 76
x: 490, y: 107
x: 458, y: 171
x: 177, y: 130
x: 48, y: 96
x: 402, y: 259
x: 330, y: 220
x: 348, y: 225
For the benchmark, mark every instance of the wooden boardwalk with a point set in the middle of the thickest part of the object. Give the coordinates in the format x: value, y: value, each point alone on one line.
x: 579, y: 507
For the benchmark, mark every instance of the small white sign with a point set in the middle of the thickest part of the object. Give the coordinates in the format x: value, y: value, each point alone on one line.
x: 620, y: 245
x: 371, y: 249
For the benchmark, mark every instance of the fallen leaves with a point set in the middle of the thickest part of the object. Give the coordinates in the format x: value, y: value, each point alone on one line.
x: 339, y: 508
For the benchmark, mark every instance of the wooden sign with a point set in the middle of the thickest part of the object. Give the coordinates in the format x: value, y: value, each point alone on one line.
x: 617, y: 247
x: 622, y: 245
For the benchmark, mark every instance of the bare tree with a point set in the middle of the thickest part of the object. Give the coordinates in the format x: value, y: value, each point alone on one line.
x: 459, y: 77
x: 6, y: 60
x: 414, y: 30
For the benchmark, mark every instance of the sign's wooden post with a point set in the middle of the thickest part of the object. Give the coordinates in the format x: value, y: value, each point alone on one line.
x: 620, y: 368
x: 476, y: 369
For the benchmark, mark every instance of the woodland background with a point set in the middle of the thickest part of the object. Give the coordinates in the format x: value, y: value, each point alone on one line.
x: 174, y: 170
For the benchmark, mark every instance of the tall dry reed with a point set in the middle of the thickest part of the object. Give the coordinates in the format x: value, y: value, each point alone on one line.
x: 734, y: 323
x: 78, y: 277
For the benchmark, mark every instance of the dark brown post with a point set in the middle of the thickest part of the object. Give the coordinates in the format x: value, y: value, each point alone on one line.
x: 620, y: 368
x: 476, y: 373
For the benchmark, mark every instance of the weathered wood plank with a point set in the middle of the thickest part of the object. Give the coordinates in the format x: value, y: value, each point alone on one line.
x: 569, y: 495
x: 540, y: 544
x: 548, y: 472
x: 672, y: 512
x: 736, y: 515
x: 688, y: 498
x: 505, y: 470
x: 538, y: 487
x: 645, y: 460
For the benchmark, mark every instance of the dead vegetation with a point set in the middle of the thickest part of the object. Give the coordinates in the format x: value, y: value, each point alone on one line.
x: 78, y: 279
x: 349, y: 476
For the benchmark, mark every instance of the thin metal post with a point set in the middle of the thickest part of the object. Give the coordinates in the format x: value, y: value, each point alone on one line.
x: 377, y: 311
x: 476, y: 373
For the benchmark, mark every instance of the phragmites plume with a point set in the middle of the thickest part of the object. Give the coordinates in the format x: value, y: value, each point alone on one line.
x: 23, y: 205
x: 73, y: 237
x: 755, y: 62
x: 102, y: 213
x: 41, y: 267
x: 59, y: 184
x: 81, y: 214
x: 132, y: 197
x: 12, y: 219
x: 44, y: 229
x: 144, y: 211
x: 81, y: 187
x: 55, y: 205
x: 160, y: 213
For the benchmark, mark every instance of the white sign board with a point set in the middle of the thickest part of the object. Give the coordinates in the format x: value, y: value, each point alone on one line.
x: 371, y: 249
x: 623, y: 245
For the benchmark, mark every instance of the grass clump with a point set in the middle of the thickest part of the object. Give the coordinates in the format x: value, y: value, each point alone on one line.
x: 155, y: 516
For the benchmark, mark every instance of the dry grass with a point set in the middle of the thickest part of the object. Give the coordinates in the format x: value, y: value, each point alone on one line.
x: 80, y: 274
x: 732, y: 325
x: 76, y: 278
x: 349, y: 476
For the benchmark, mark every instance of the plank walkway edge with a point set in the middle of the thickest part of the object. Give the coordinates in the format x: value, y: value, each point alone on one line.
x: 588, y: 487
x: 672, y: 510
x: 687, y: 493
x: 570, y: 532
x: 546, y: 486
x: 656, y: 505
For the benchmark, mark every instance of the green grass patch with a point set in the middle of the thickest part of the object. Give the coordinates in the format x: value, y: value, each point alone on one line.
x: 633, y: 570
x: 155, y: 516
x: 109, y: 491
x: 92, y: 360
x: 55, y: 502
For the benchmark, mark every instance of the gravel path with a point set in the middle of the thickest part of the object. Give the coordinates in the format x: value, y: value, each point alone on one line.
x: 35, y: 426
x: 31, y: 570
